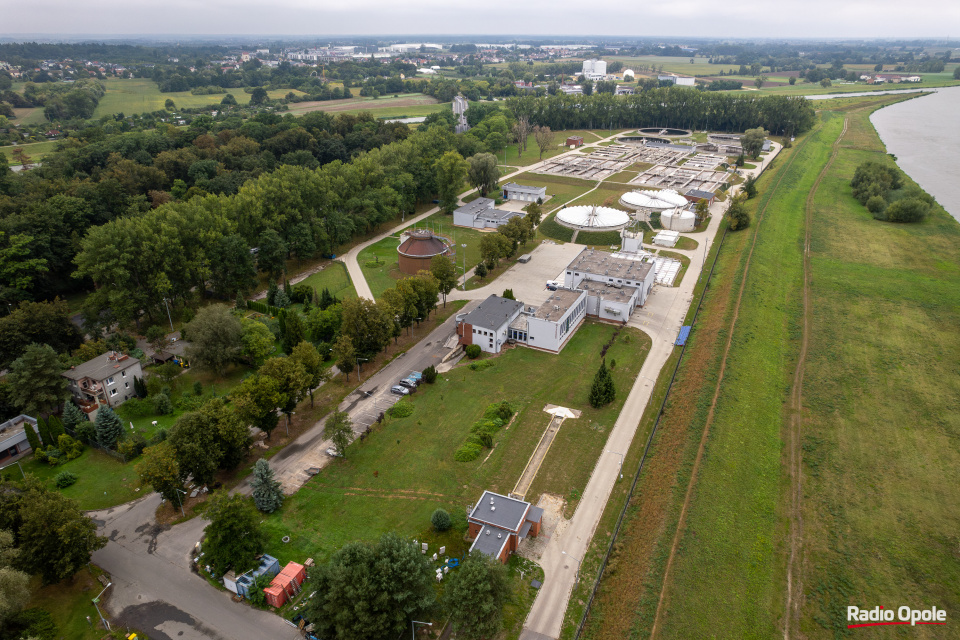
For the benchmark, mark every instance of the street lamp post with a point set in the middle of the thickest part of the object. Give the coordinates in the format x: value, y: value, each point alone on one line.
x: 413, y: 632
x: 464, y: 266
x: 577, y: 578
x: 106, y: 625
x: 179, y: 491
x: 621, y: 461
x: 168, y: 314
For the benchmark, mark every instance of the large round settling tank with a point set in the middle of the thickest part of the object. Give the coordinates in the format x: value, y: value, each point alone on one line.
x: 418, y: 248
x: 656, y: 131
x: 593, y: 218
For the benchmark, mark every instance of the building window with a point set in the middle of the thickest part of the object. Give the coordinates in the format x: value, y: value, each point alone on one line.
x: 110, y: 380
x: 126, y: 385
x: 123, y: 374
x: 113, y: 392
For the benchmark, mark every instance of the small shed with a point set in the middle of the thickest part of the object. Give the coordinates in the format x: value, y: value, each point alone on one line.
x: 292, y: 576
x: 230, y: 581
x: 575, y: 141
x: 269, y: 566
x: 162, y: 357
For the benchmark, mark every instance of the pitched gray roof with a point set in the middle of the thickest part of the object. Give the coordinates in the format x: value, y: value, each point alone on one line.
x: 507, y: 513
x: 697, y: 193
x: 476, y: 206
x: 513, y: 186
x: 101, y: 367
x: 493, y: 312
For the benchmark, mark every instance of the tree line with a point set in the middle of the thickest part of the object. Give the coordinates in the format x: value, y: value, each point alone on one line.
x: 668, y: 107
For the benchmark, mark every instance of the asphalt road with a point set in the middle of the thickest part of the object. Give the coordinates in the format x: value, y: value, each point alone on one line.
x: 155, y: 590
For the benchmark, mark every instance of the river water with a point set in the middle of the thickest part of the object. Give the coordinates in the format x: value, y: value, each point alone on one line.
x: 924, y: 135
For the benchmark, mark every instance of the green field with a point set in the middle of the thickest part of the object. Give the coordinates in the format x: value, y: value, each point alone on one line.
x: 333, y: 277
x: 560, y: 189
x: 550, y: 228
x: 404, y: 105
x: 405, y: 469
x: 139, y: 95
x: 70, y: 602
x: 881, y: 505
x: 36, y: 150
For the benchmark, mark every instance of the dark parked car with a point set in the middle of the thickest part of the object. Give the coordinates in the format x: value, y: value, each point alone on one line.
x: 408, y: 383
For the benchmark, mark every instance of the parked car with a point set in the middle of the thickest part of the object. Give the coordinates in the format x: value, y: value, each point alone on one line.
x: 552, y: 285
x: 408, y: 384
x: 416, y: 375
x: 400, y: 391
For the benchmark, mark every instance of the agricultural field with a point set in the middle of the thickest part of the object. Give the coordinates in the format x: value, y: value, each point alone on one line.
x: 35, y: 150
x: 369, y: 492
x: 405, y: 105
x: 139, y: 95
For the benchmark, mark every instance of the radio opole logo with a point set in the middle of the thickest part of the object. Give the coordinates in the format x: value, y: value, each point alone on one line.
x: 879, y: 616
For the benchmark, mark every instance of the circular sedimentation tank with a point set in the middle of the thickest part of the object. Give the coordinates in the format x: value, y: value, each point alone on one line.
x: 650, y: 199
x: 665, y: 131
x: 593, y: 218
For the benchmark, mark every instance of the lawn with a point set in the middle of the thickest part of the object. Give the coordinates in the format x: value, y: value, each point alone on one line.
x: 369, y: 493
x: 404, y: 105
x: 70, y: 603
x: 552, y: 229
x: 532, y: 153
x: 561, y: 189
x: 333, y: 277
x: 379, y: 260
x: 103, y: 481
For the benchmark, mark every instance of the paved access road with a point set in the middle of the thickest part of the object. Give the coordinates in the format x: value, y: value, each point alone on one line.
x: 155, y: 590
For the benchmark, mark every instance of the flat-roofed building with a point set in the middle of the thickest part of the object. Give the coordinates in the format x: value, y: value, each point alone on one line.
x: 550, y: 326
x: 601, y: 267
x: 13, y: 437
x: 524, y: 193
x: 486, y: 326
x: 481, y: 214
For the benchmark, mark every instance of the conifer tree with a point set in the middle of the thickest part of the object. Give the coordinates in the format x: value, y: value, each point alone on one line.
x: 108, y: 427
x: 602, y: 391
x: 32, y: 436
x: 267, y: 494
x: 45, y: 435
x: 55, y: 427
x: 73, y: 416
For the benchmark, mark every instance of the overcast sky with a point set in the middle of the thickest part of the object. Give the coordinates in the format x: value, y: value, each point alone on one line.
x: 676, y: 18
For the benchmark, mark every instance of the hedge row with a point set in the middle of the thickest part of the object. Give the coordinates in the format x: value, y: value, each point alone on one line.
x: 481, y: 433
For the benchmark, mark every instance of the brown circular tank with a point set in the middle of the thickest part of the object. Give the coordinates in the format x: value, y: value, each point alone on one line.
x: 416, y: 252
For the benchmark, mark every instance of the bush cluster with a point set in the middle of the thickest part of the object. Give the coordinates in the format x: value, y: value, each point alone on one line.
x: 64, y: 479
x: 473, y: 351
x: 481, y: 433
x: 880, y: 188
x: 481, y: 365
x: 401, y: 409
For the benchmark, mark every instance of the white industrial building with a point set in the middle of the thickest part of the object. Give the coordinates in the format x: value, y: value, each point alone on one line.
x: 550, y: 326
x: 680, y: 81
x: 486, y: 326
x: 481, y: 214
x: 601, y: 267
x: 594, y: 69
x: 678, y: 219
x: 524, y: 193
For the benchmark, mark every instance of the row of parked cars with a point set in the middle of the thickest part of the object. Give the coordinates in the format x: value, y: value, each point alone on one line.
x: 408, y: 385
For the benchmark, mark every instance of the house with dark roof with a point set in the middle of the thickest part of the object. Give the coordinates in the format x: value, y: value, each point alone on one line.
x: 696, y: 195
x: 107, y: 379
x: 498, y: 524
x: 486, y: 326
x: 481, y: 214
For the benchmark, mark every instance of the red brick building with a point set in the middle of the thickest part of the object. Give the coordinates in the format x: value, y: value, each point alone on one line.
x: 498, y: 524
x: 417, y: 250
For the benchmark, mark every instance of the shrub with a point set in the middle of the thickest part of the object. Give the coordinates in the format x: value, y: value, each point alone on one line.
x: 401, y: 409
x: 161, y: 404
x: 481, y: 365
x: 906, y: 210
x: 71, y: 448
x: 876, y: 205
x: 198, y: 388
x: 473, y: 351
x: 86, y: 432
x: 430, y: 374
x: 440, y: 520
x: 503, y: 410
x: 133, y: 446
x: 64, y: 479
x: 467, y: 452
x: 135, y: 408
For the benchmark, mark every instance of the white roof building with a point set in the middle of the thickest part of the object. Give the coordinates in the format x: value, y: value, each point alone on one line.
x: 650, y: 199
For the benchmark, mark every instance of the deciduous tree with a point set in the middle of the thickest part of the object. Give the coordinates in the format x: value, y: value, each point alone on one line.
x: 544, y: 137
x: 14, y: 584
x: 257, y: 399
x: 308, y: 356
x: 483, y: 174
x: 234, y: 538
x: 339, y: 429
x: 256, y: 340
x: 445, y: 273
x: 215, y: 338
x: 344, y: 355
x: 159, y: 469
x: 474, y: 597
x: 35, y: 383
x: 450, y: 169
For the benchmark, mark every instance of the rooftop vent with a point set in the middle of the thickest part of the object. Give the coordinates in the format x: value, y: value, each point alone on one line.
x: 499, y: 535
